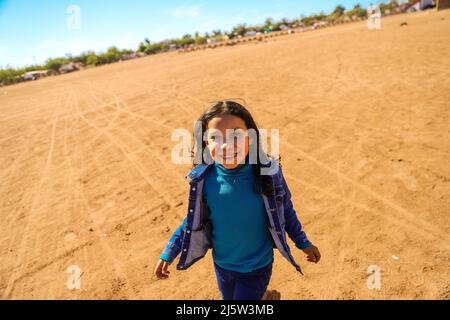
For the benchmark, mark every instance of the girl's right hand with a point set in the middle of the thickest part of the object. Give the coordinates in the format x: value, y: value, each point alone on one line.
x: 161, y: 271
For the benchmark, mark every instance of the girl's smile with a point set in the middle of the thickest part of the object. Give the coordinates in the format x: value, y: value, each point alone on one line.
x: 234, y: 156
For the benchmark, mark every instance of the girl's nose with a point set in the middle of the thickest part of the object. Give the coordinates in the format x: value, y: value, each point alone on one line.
x: 227, y: 148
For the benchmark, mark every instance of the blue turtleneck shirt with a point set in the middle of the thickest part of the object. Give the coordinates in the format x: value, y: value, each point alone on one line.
x: 241, y: 239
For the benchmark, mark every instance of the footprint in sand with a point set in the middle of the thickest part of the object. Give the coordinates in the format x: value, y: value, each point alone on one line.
x: 70, y: 236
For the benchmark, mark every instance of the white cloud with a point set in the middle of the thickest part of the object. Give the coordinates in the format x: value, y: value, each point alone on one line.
x: 184, y: 11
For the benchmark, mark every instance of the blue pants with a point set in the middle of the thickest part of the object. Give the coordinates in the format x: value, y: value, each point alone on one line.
x: 235, y: 285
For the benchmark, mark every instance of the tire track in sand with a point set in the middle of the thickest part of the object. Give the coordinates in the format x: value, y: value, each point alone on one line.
x: 164, y: 196
x: 430, y: 230
x: 19, y: 266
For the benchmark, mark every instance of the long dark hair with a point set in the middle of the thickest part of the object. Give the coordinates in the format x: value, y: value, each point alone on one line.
x: 234, y: 108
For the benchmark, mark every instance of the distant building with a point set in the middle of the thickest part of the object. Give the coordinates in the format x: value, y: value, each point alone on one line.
x: 419, y: 5
x: 34, y: 75
x: 132, y: 56
x: 319, y: 24
x: 173, y: 47
x: 442, y: 4
x: 250, y: 34
x: 70, y: 67
x: 211, y: 41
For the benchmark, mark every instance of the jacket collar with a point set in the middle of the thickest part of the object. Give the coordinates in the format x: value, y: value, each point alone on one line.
x: 197, y: 172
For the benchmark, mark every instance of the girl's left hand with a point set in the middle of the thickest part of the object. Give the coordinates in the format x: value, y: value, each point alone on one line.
x: 312, y: 253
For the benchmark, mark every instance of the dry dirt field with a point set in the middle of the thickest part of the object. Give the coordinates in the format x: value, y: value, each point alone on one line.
x: 364, y: 118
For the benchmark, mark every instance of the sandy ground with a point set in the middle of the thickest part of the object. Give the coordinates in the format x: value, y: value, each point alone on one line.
x: 364, y: 116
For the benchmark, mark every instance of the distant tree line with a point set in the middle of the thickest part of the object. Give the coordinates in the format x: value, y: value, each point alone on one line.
x: 11, y: 75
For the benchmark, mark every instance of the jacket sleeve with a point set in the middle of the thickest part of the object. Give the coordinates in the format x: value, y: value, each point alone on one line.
x: 293, y: 225
x: 173, y: 246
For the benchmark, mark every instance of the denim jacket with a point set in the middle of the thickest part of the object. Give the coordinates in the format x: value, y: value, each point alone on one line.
x: 193, y: 237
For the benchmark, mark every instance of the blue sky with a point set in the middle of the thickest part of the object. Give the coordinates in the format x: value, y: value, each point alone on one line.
x: 32, y: 31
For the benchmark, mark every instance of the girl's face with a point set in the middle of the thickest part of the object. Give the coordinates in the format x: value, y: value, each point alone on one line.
x: 227, y: 140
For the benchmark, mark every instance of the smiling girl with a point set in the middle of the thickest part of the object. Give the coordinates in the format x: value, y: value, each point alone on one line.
x: 236, y: 208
